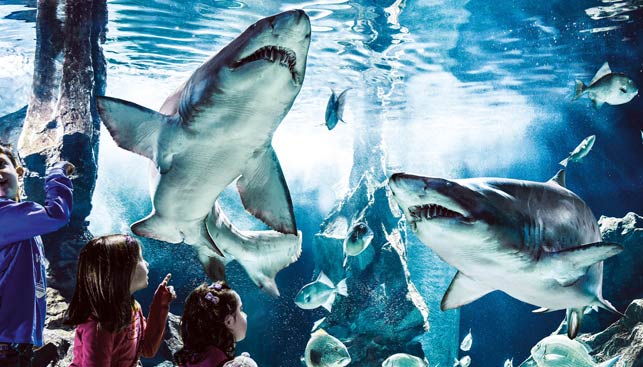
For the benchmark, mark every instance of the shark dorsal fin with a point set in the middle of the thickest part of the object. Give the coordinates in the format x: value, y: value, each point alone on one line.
x: 559, y: 178
x: 604, y: 70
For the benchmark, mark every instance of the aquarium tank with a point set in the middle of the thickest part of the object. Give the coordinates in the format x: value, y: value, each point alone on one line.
x: 382, y: 182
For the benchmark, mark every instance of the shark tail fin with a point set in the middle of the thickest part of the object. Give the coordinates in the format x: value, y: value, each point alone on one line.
x: 342, y: 289
x: 579, y: 90
x: 605, y: 304
x: 262, y: 254
x: 610, y: 362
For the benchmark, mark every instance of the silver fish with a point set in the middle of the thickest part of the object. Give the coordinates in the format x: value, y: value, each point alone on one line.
x: 404, y: 360
x: 560, y: 351
x: 463, y: 362
x: 580, y: 151
x: 324, y: 350
x: 357, y: 240
x: 335, y: 109
x: 509, y: 363
x: 321, y: 292
x: 465, y: 345
x: 607, y: 87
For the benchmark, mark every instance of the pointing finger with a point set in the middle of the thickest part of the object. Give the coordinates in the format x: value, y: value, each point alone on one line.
x: 166, y: 279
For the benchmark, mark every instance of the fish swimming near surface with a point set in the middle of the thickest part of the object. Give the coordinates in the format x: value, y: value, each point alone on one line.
x: 357, y: 240
x: 404, y: 360
x: 607, y: 87
x: 463, y: 362
x: 465, y: 345
x: 321, y: 292
x: 580, y: 151
x: 560, y: 351
x: 335, y: 108
x: 536, y: 241
x: 509, y: 363
x: 217, y: 128
x: 324, y: 350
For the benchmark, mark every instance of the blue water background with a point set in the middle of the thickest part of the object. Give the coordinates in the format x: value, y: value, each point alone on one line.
x: 454, y: 89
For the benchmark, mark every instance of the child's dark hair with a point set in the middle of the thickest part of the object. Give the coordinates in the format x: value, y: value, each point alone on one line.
x: 105, y: 267
x: 7, y: 150
x: 203, y: 322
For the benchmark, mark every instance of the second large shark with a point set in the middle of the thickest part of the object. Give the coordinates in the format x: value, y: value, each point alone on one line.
x: 536, y: 241
x: 216, y: 128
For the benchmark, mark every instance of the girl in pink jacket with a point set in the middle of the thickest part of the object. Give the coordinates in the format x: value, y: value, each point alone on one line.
x: 111, y: 329
x: 213, y: 322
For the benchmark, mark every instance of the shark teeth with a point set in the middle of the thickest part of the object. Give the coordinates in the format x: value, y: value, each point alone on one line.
x: 284, y: 56
x: 432, y: 211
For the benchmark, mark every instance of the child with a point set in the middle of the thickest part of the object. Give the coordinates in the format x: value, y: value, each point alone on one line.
x: 111, y: 329
x: 212, y: 323
x: 22, y: 261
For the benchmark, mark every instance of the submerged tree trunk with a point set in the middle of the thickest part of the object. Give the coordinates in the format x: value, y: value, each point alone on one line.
x: 62, y: 123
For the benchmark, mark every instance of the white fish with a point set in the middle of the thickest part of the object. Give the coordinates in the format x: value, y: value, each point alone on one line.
x: 357, y: 240
x: 607, y: 87
x: 580, y: 151
x: 404, y: 360
x: 321, y: 292
x: 463, y: 362
x: 560, y: 351
x: 465, y: 345
x: 335, y: 109
x: 324, y: 350
x: 509, y: 363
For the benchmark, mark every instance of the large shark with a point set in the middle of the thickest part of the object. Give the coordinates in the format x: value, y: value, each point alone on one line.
x: 537, y: 242
x: 216, y: 128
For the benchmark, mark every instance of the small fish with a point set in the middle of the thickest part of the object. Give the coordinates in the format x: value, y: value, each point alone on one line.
x: 324, y: 350
x: 335, y: 109
x: 580, y: 151
x: 404, y: 360
x: 321, y: 292
x: 509, y: 363
x: 465, y: 345
x: 560, y: 351
x: 357, y: 240
x: 607, y: 87
x: 463, y: 362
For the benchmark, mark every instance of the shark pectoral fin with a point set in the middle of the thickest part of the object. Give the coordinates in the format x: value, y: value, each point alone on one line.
x: 463, y: 290
x: 574, y: 318
x: 581, y: 257
x: 154, y: 226
x: 133, y: 127
x: 264, y: 192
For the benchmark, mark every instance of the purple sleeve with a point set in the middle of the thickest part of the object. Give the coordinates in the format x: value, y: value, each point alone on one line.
x: 23, y: 220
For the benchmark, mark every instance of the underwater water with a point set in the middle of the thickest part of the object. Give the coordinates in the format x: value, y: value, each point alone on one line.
x: 451, y: 89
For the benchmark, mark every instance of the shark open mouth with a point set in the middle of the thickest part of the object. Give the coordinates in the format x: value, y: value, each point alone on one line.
x: 434, y: 211
x: 284, y: 56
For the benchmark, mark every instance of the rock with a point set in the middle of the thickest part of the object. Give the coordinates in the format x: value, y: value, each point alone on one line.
x: 11, y: 125
x: 624, y: 337
x: 383, y: 314
x: 622, y: 275
x: 172, y: 338
x: 55, y: 332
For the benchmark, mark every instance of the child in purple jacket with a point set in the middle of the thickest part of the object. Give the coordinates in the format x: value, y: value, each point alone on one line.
x: 22, y: 260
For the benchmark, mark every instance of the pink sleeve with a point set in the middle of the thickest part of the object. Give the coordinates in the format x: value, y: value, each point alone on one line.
x: 97, y: 345
x: 155, y: 328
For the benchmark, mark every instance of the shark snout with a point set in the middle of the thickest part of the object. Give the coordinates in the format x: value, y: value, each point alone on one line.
x: 293, y: 21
